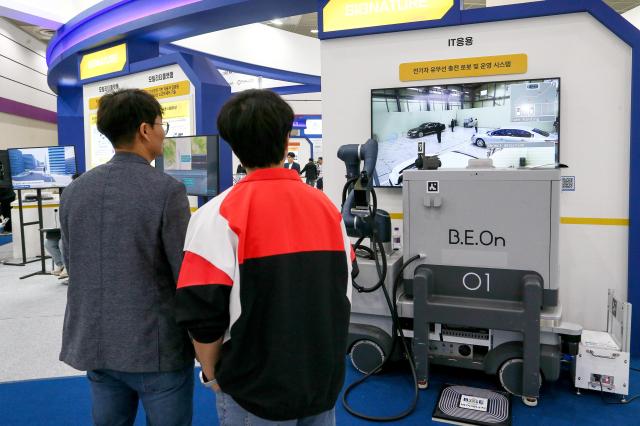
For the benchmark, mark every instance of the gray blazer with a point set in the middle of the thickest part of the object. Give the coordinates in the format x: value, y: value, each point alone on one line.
x: 123, y: 228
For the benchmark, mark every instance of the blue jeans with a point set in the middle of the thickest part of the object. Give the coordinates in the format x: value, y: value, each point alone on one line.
x: 167, y: 398
x: 230, y: 413
x: 54, y: 248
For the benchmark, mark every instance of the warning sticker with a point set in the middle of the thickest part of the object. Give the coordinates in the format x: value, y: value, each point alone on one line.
x: 433, y: 186
x: 474, y: 403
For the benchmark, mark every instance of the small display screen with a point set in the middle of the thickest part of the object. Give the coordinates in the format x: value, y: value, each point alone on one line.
x: 194, y: 161
x: 48, y: 167
x: 515, y: 123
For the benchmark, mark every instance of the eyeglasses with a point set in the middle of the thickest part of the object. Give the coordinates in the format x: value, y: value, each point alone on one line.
x: 165, y: 126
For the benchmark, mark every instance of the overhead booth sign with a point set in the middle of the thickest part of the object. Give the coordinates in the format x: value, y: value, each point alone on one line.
x: 103, y: 62
x: 170, y: 85
x: 339, y: 15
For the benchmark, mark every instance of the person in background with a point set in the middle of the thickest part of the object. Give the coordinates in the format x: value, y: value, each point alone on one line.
x: 52, y: 245
x: 320, y: 183
x: 475, y: 124
x: 310, y: 172
x: 268, y: 311
x: 240, y: 170
x: 7, y: 196
x: 291, y: 164
x: 123, y: 226
x: 453, y: 124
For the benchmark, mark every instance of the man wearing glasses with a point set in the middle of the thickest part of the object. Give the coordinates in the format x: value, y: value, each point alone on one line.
x: 123, y: 228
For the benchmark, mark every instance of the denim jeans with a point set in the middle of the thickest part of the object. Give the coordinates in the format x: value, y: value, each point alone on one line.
x: 230, y: 413
x: 167, y: 398
x: 54, y: 248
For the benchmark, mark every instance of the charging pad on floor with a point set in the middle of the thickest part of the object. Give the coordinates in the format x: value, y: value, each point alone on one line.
x: 464, y: 405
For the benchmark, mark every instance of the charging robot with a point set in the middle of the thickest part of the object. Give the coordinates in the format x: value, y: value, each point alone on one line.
x: 476, y: 285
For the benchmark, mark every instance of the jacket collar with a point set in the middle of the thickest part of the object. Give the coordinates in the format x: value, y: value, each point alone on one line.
x: 272, y: 173
x: 128, y: 157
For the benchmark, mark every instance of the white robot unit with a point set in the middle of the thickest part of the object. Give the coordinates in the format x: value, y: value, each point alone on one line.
x: 603, y: 359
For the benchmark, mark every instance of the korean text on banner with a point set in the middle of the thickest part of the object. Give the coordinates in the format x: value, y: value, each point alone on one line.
x: 466, y: 67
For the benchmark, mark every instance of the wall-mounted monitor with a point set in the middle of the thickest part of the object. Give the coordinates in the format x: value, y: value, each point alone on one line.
x: 46, y: 167
x: 515, y: 123
x: 194, y: 161
x: 5, y: 171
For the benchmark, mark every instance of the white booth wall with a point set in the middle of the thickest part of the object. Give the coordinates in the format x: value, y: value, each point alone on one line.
x: 595, y: 70
x: 261, y: 45
x: 23, y: 69
x: 266, y: 46
x: 21, y: 132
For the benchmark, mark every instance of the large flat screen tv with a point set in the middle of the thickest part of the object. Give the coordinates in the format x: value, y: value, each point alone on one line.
x: 194, y: 161
x: 515, y: 123
x: 46, y: 167
x: 5, y: 171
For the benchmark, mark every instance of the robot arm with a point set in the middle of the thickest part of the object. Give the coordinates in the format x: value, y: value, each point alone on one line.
x: 356, y: 212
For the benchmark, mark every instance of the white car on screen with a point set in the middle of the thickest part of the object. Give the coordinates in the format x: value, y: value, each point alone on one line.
x: 450, y: 160
x: 512, y: 135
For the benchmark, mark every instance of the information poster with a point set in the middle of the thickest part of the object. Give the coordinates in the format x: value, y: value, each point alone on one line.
x: 101, y: 148
x: 169, y: 85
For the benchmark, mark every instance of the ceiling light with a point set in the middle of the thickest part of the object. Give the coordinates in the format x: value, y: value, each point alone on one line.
x: 277, y: 21
x: 46, y: 33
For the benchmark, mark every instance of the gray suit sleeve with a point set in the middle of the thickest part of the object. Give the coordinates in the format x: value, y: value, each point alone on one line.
x: 175, y: 220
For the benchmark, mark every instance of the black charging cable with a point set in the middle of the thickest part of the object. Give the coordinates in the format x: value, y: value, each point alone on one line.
x: 378, y: 248
x: 397, y: 333
x: 623, y: 402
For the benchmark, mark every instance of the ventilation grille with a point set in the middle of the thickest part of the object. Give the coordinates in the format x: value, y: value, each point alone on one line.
x: 465, y: 334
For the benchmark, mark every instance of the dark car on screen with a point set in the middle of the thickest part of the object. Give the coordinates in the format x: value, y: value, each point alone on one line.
x: 426, y: 129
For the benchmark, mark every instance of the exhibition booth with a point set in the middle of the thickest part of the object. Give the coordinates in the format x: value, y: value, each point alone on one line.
x: 516, y: 251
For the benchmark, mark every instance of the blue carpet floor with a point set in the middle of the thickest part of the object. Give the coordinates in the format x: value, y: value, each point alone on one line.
x: 66, y: 401
x: 5, y: 239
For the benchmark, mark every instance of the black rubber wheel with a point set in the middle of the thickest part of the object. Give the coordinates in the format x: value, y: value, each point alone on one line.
x: 510, y: 375
x: 366, y: 355
x: 480, y: 143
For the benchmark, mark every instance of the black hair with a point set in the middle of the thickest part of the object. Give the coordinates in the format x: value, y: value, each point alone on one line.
x: 310, y: 160
x: 121, y: 113
x: 256, y: 124
x: 291, y: 154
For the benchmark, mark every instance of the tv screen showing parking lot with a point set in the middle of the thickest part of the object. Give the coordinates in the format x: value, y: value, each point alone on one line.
x: 515, y: 123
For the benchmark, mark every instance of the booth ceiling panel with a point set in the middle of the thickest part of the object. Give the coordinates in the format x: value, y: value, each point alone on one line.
x: 300, y: 24
x: 39, y: 33
x: 622, y: 6
x: 474, y: 4
x: 304, y: 24
x: 619, y: 6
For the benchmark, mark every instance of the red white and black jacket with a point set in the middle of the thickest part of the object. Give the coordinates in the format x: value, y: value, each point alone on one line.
x: 268, y: 265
